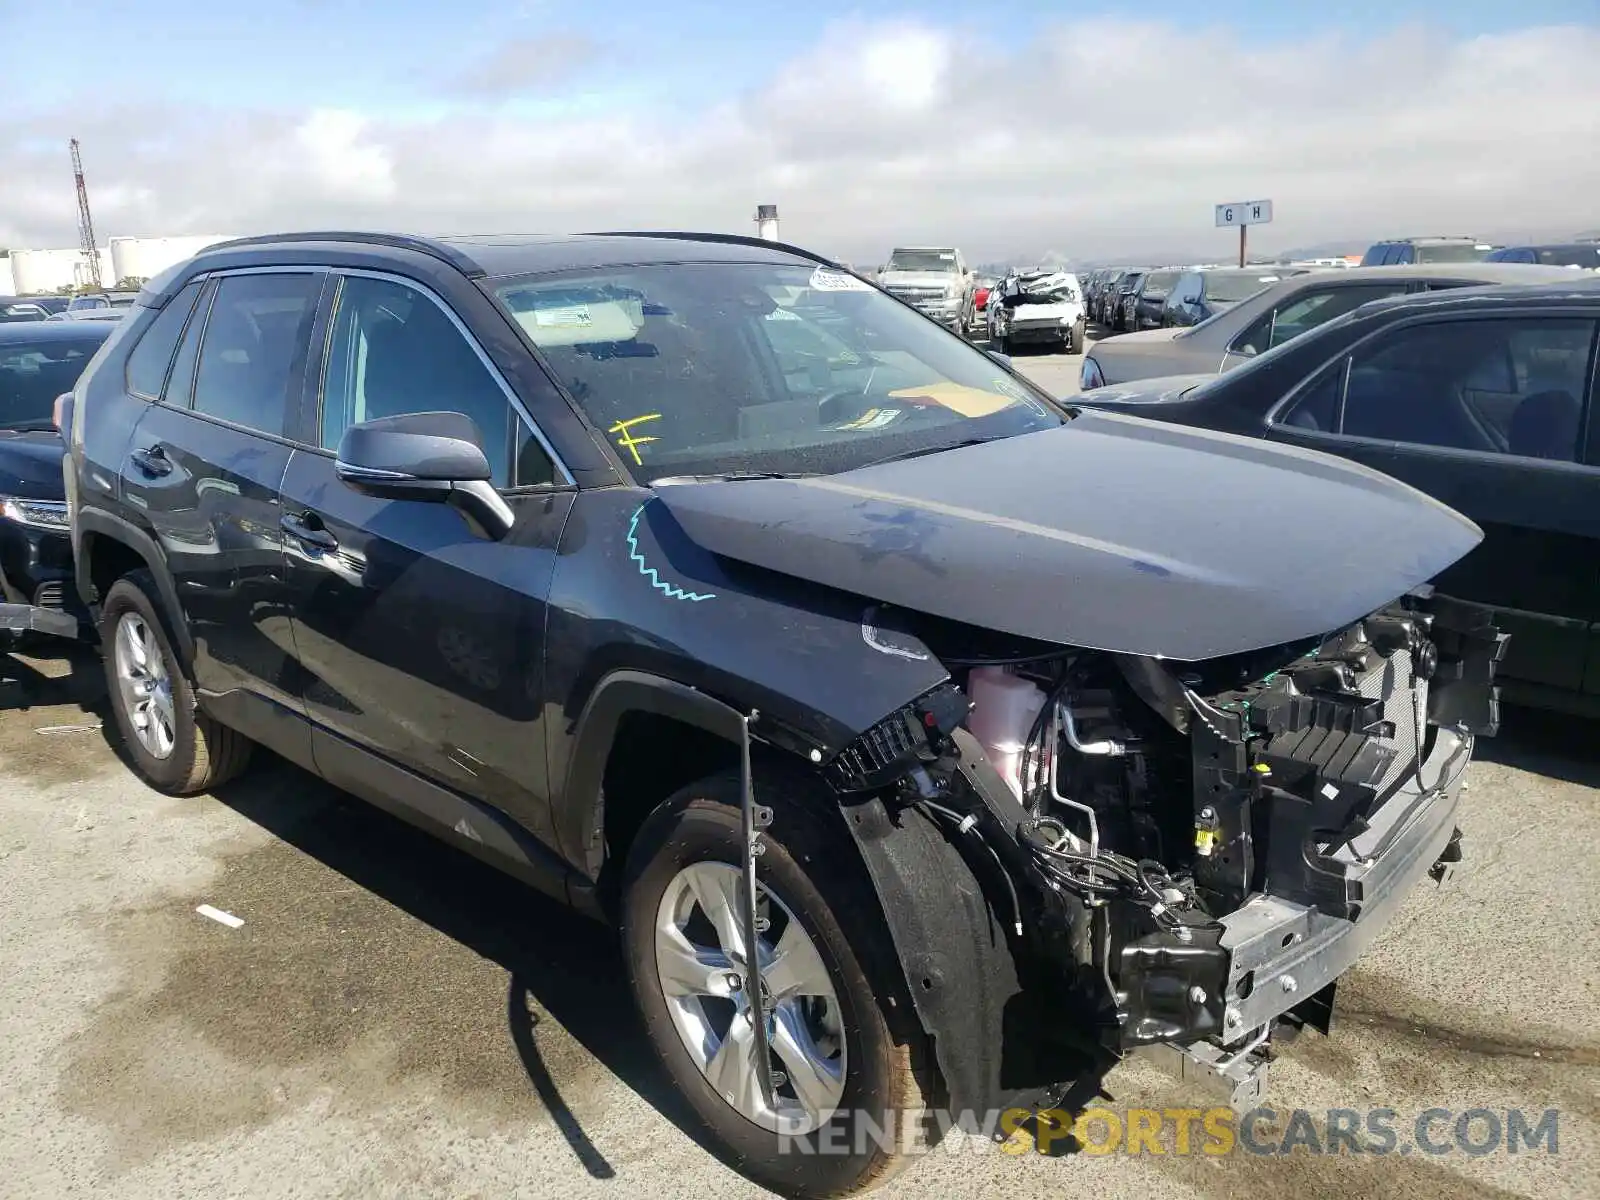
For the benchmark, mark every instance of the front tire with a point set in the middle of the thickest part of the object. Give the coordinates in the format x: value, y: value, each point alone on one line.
x: 839, y: 1062
x: 176, y: 748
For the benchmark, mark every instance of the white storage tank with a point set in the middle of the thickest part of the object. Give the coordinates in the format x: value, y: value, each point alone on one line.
x: 144, y: 257
x: 35, y: 271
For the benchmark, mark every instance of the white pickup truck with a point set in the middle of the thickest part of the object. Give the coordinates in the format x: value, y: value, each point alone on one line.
x: 935, y: 280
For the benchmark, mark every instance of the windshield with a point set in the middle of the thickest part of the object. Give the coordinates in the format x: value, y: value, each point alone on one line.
x: 712, y: 368
x: 1452, y: 252
x: 1569, y: 256
x: 1229, y: 287
x: 922, y: 260
x: 33, y: 374
x: 1159, y: 283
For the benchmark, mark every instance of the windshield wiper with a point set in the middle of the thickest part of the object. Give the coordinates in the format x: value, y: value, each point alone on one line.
x: 32, y: 425
x: 939, y: 449
x: 734, y: 476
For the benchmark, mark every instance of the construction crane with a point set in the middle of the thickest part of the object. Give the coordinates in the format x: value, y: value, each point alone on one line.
x: 85, y: 221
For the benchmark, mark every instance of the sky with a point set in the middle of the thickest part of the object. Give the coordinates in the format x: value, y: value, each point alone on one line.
x: 1015, y: 129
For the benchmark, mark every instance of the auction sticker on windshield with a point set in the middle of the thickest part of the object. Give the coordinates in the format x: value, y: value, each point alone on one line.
x: 825, y: 279
x: 567, y: 317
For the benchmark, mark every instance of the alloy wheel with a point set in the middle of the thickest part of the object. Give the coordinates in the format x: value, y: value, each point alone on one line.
x: 707, y: 978
x: 144, y: 686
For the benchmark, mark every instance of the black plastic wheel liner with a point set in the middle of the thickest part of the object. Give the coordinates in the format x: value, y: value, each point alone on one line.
x: 960, y: 972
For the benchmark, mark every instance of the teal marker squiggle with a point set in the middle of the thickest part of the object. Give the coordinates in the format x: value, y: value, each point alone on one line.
x: 649, y: 572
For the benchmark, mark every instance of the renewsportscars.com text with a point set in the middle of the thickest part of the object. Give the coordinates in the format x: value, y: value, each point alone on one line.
x: 1211, y: 1132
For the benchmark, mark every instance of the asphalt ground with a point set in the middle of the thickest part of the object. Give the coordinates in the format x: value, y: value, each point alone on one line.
x: 393, y: 1018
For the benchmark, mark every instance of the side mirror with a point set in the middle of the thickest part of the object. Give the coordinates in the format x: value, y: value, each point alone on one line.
x: 425, y: 456
x: 1003, y: 359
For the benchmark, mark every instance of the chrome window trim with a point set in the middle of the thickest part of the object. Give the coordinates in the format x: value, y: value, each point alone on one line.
x: 438, y: 301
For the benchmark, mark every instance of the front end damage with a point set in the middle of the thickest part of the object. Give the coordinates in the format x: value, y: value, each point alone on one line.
x: 1174, y: 857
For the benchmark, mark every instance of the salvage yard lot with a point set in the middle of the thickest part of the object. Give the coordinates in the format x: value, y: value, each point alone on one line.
x: 393, y: 1018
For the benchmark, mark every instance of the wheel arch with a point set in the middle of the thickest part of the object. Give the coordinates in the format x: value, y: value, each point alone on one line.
x: 623, y: 697
x: 105, y: 548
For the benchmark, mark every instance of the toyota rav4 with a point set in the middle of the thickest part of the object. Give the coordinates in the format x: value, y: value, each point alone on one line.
x: 919, y: 733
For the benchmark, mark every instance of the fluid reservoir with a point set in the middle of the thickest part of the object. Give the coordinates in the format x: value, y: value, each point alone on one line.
x: 1004, y: 707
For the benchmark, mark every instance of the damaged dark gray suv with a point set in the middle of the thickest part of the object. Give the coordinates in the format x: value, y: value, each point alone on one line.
x: 931, y: 744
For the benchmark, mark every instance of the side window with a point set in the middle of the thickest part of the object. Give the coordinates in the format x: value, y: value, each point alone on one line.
x: 152, y: 355
x: 1404, y: 255
x: 1313, y: 308
x: 392, y: 350
x: 180, y: 384
x: 1318, y: 406
x: 253, y: 348
x: 1505, y: 386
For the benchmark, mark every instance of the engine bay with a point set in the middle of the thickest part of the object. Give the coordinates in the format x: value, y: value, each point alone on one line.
x: 1126, y: 810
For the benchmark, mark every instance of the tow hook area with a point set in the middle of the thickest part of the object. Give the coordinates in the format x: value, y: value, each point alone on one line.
x: 1236, y: 1077
x: 1444, y: 867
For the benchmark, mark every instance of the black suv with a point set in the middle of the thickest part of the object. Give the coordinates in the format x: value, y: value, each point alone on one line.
x: 1400, y: 252
x: 38, y: 362
x: 705, y: 586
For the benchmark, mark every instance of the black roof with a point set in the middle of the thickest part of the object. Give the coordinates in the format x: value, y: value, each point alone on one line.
x: 1523, y: 295
x: 55, y: 331
x: 480, y: 255
x: 1578, y: 245
x: 1429, y: 237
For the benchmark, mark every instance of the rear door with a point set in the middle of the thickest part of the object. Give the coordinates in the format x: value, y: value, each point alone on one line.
x: 1486, y: 412
x: 205, y: 465
x: 421, y: 640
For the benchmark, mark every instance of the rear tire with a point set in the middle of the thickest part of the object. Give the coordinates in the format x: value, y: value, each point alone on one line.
x: 810, y: 879
x: 175, y: 747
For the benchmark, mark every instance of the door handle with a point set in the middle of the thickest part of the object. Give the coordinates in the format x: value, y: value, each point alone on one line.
x: 152, y: 461
x: 301, y: 529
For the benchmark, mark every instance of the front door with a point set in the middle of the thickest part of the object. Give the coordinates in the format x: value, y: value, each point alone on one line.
x: 205, y: 464
x: 1487, y: 415
x: 422, y: 640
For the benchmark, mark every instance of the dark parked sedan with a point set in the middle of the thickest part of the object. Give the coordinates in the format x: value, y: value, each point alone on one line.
x: 38, y: 362
x: 1145, y: 305
x: 1481, y: 398
x: 1117, y: 295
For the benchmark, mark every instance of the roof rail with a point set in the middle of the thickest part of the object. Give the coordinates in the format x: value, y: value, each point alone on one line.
x: 398, y: 241
x: 729, y: 239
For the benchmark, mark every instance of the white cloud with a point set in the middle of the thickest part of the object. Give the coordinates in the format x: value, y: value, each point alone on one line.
x: 1097, y: 138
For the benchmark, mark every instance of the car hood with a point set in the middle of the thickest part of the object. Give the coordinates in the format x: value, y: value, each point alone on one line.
x: 1162, y: 389
x: 30, y: 464
x: 1152, y: 353
x: 1109, y: 533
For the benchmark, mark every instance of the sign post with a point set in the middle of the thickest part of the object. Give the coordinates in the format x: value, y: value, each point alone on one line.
x: 1244, y: 214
